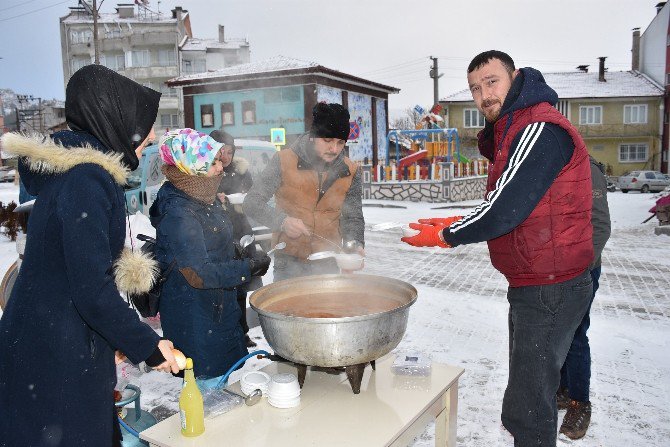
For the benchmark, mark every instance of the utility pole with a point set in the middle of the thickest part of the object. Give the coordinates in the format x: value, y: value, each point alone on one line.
x: 435, y: 75
x: 96, y: 50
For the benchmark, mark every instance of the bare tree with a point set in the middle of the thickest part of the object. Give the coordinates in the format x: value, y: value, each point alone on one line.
x: 408, y: 121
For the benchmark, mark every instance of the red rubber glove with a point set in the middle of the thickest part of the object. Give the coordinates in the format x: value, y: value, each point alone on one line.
x: 428, y: 236
x: 441, y: 221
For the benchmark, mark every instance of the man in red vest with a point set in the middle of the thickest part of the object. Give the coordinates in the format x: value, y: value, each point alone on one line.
x: 536, y: 218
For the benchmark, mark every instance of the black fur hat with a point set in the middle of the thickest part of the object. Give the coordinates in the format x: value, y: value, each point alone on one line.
x: 330, y: 121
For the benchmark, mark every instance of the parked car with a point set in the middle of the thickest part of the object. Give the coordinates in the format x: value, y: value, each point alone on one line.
x: 7, y: 174
x: 643, y: 181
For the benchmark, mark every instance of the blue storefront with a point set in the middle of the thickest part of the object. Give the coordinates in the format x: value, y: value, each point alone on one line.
x: 249, y: 100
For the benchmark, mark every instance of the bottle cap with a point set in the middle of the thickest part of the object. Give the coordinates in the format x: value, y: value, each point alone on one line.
x: 189, y: 363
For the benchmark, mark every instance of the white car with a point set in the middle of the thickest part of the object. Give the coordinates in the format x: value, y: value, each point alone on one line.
x: 643, y: 181
x: 7, y: 174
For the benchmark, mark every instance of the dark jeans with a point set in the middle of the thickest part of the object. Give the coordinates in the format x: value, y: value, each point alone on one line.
x: 542, y: 322
x: 576, y: 371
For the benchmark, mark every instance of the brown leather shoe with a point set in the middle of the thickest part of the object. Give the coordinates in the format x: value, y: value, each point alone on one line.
x: 576, y: 420
x: 562, y: 399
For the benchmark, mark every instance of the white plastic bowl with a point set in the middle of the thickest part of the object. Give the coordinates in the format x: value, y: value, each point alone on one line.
x: 283, y: 387
x: 349, y: 261
x: 255, y: 380
x: 236, y: 199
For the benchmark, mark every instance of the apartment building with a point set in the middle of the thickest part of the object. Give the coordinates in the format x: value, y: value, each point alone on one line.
x: 147, y: 46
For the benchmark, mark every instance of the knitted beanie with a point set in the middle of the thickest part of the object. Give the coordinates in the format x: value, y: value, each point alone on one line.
x: 330, y: 121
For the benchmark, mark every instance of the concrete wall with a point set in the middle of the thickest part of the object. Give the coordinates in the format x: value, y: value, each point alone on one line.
x: 653, y: 46
x: 448, y: 189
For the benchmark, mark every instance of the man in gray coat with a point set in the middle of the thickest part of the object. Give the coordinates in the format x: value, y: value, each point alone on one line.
x: 576, y: 371
x: 317, y: 195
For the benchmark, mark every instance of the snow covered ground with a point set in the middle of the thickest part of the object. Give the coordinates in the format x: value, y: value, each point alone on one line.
x: 461, y: 318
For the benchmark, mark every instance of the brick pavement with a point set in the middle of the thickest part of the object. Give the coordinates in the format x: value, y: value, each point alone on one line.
x: 629, y: 333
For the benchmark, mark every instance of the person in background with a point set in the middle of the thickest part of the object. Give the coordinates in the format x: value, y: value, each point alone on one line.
x: 573, y: 395
x: 317, y: 191
x: 198, y: 305
x: 536, y: 218
x: 237, y: 179
x: 65, y: 317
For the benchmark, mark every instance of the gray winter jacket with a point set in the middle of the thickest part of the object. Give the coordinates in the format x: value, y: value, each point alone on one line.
x: 600, y: 213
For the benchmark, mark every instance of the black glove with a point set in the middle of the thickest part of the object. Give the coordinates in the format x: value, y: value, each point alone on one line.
x: 259, y: 264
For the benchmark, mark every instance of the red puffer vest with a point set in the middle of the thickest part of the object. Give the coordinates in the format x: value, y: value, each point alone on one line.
x: 554, y: 244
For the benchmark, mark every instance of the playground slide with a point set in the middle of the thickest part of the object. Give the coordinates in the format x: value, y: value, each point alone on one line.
x: 412, y: 158
x: 463, y: 158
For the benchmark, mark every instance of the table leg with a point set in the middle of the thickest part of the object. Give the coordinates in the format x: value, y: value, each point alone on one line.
x: 446, y: 421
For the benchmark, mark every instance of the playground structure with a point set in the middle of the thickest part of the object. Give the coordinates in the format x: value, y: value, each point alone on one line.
x: 429, y: 149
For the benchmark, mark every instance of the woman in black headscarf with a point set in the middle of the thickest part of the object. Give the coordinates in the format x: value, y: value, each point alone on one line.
x: 65, y: 317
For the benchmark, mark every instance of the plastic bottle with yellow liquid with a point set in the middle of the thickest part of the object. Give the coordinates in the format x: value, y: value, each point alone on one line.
x: 191, y: 408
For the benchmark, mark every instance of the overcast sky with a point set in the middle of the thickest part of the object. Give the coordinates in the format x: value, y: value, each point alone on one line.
x: 387, y: 41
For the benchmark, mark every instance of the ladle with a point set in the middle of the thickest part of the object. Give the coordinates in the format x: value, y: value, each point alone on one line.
x: 246, y: 240
x: 338, y: 246
x: 279, y: 246
x: 249, y: 399
x: 321, y: 255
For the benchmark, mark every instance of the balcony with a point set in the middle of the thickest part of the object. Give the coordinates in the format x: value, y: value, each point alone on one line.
x: 139, y: 73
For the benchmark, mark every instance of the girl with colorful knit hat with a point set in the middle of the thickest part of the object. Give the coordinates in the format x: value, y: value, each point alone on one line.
x: 198, y: 307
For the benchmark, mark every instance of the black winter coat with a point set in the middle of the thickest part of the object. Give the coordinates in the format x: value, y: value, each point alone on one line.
x: 65, y: 317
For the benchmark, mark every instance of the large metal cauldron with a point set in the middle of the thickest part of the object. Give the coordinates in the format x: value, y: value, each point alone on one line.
x: 340, y: 341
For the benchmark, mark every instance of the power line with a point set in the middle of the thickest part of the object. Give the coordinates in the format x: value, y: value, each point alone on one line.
x: 390, y: 67
x: 16, y: 6
x: 34, y: 10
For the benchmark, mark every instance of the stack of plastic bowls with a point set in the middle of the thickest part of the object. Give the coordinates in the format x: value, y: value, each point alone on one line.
x: 255, y: 380
x: 284, y: 391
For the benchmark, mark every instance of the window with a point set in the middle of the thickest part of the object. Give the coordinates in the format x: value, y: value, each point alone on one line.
x: 141, y: 58
x: 79, y: 62
x: 194, y: 66
x: 278, y: 95
x: 632, y: 153
x: 564, y: 108
x: 115, y: 62
x: 473, y: 118
x: 167, y: 91
x: 249, y: 112
x: 207, y: 115
x: 228, y: 114
x: 113, y: 34
x: 83, y: 36
x: 169, y: 120
x: 591, y: 115
x: 167, y: 58
x: 635, y: 114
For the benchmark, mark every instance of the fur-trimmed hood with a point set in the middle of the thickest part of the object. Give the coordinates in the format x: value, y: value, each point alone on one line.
x: 44, y: 156
x: 134, y: 271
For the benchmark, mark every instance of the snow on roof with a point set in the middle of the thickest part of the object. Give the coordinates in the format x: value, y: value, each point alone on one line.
x: 570, y: 85
x: 272, y: 65
x: 110, y: 17
x: 277, y: 63
x: 196, y: 44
